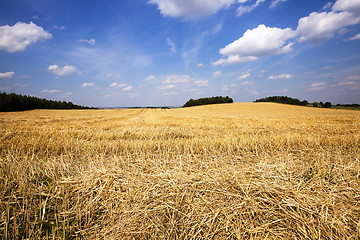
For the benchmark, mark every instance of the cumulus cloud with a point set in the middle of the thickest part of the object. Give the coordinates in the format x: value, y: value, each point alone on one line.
x: 352, y: 6
x: 319, y: 27
x: 117, y: 85
x: 267, y: 41
x: 241, y: 10
x: 177, y: 79
x: 87, y: 84
x: 7, y: 74
x: 62, y: 71
x: 18, y: 37
x: 258, y: 42
x: 281, y: 76
x: 90, y: 41
x: 202, y: 83
x: 217, y: 74
x: 190, y: 9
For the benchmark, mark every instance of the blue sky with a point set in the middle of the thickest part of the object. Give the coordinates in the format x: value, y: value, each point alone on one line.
x: 164, y: 52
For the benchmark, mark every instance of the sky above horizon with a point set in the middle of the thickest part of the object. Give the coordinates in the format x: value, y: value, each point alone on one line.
x: 122, y: 53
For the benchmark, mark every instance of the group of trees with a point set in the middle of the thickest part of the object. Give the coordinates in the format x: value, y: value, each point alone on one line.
x: 205, y: 101
x: 283, y: 99
x: 322, y: 105
x: 293, y: 101
x: 15, y: 102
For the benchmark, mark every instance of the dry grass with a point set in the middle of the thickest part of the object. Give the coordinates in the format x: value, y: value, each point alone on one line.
x: 233, y: 171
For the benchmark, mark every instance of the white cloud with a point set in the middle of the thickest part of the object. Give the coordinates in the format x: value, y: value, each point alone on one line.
x: 350, y: 84
x: 243, y: 76
x: 274, y: 3
x: 66, y: 70
x: 50, y: 91
x: 7, y: 75
x: 284, y: 91
x: 217, y: 74
x: 190, y: 9
x: 246, y: 9
x: 258, y: 42
x: 90, y: 41
x: 117, y: 85
x: 353, y: 77
x: 356, y: 37
x: 318, y: 27
x: 166, y: 87
x: 128, y: 88
x: 200, y: 65
x: 177, y: 79
x: 246, y: 83
x: 317, y: 86
x: 202, y: 83
x: 352, y: 6
x: 328, y: 5
x: 281, y: 76
x: 18, y: 37
x: 171, y: 93
x: 171, y: 44
x: 226, y: 88
x: 150, y: 77
x: 113, y: 76
x: 87, y: 84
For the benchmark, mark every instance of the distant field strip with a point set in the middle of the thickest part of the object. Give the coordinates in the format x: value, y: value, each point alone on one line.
x: 229, y: 171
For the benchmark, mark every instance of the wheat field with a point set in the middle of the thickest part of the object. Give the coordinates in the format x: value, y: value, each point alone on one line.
x: 230, y: 171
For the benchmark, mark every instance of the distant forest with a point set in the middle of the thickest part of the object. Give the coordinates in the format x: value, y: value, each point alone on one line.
x: 16, y: 102
x: 205, y: 101
x: 293, y: 101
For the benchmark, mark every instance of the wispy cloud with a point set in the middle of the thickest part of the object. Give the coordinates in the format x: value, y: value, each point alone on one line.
x: 274, y: 3
x: 171, y: 44
x: 128, y: 88
x: 281, y: 76
x: 150, y: 77
x: 241, y: 10
x: 217, y: 74
x: 317, y: 86
x: 169, y: 86
x: 243, y: 76
x: 88, y: 41
x: 50, y: 91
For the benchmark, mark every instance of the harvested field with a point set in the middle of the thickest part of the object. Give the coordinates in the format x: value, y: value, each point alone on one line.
x: 230, y: 171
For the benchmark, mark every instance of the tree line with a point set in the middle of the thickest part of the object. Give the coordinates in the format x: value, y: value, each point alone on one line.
x: 17, y: 102
x: 293, y: 101
x: 210, y: 100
